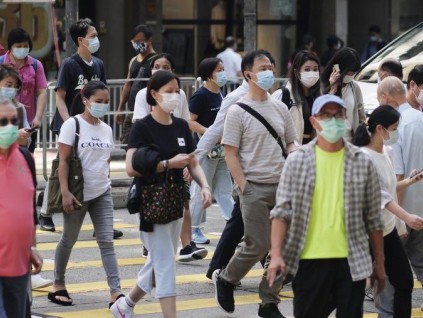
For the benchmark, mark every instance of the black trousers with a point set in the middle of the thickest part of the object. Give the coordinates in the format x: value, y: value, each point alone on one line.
x: 322, y: 285
x: 399, y: 273
x: 14, y: 291
x: 32, y: 145
x: 231, y: 236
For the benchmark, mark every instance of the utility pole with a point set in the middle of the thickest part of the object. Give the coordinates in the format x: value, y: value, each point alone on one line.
x: 250, y: 30
x: 71, y: 15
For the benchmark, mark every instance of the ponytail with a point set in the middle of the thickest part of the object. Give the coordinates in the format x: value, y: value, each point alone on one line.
x: 362, y: 135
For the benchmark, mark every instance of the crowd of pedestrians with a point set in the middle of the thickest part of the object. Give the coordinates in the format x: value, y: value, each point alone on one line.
x: 323, y: 196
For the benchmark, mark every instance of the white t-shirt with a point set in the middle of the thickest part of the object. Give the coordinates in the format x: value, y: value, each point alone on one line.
x: 94, y: 149
x: 388, y: 180
x: 142, y: 109
x: 232, y: 63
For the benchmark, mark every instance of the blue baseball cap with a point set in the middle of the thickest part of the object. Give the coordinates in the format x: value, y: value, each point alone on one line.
x: 321, y: 101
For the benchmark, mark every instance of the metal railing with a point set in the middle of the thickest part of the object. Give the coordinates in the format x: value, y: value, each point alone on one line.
x: 48, y: 141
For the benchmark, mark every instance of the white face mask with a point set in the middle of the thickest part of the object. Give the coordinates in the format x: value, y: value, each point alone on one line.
x: 347, y: 79
x: 170, y: 101
x: 419, y: 98
x: 308, y: 79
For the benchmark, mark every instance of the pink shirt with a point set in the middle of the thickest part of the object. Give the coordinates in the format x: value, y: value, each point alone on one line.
x: 31, y: 82
x: 16, y: 214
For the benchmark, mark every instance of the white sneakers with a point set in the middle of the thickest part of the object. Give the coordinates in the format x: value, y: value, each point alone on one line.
x: 120, y: 309
x: 38, y: 282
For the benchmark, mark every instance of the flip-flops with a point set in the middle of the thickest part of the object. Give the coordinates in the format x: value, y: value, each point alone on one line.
x: 111, y: 303
x: 60, y: 293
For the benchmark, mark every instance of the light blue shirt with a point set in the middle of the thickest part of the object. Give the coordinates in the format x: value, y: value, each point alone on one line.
x: 407, y: 154
x: 215, y: 132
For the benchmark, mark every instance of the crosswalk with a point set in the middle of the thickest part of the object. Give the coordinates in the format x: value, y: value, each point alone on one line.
x: 195, y: 291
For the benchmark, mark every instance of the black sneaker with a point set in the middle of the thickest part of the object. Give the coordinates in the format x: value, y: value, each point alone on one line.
x: 46, y: 223
x: 116, y: 234
x: 192, y: 252
x: 269, y: 311
x: 144, y: 252
x: 224, y: 293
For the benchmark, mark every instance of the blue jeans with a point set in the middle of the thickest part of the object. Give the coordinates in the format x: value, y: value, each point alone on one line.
x: 13, y: 296
x: 101, y: 213
x: 219, y: 180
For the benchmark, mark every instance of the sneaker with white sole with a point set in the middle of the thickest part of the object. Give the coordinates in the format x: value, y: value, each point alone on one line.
x: 120, y: 309
x: 191, y: 253
x: 198, y: 236
x: 38, y: 282
x: 224, y: 293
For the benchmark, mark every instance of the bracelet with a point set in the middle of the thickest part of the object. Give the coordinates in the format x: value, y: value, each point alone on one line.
x: 165, y: 165
x: 34, y: 248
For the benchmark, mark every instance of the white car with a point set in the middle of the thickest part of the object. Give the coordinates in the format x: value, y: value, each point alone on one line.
x: 407, y: 48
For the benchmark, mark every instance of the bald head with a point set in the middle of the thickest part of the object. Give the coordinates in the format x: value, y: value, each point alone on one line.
x: 391, y: 91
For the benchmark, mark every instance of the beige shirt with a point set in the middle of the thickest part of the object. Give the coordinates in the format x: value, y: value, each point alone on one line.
x: 259, y: 154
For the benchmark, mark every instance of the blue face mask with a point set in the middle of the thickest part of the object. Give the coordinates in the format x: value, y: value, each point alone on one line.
x: 8, y: 135
x: 93, y: 45
x: 265, y: 80
x: 332, y: 129
x: 98, y: 110
x: 20, y: 52
x: 221, y: 78
x: 8, y: 92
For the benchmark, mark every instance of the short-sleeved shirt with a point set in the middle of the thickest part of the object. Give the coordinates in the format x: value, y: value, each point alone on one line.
x: 74, y: 73
x: 232, y: 63
x: 260, y: 156
x: 139, y: 70
x: 16, y: 214
x: 407, y: 155
x: 205, y: 104
x: 32, y: 81
x: 94, y: 148
x: 326, y: 236
x: 171, y: 139
x: 142, y: 108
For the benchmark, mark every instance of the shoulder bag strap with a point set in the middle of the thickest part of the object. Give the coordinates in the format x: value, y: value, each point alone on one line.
x: 265, y: 123
x: 31, y: 164
x: 76, y: 141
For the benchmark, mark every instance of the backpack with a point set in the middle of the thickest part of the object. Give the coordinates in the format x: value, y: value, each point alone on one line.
x: 286, y: 97
x: 31, y: 164
x: 34, y: 62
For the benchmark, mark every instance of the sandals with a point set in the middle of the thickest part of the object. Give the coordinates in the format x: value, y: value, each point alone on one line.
x: 111, y: 303
x: 60, y: 293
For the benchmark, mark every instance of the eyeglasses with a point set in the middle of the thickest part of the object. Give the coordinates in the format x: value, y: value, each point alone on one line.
x: 5, y: 121
x: 338, y: 115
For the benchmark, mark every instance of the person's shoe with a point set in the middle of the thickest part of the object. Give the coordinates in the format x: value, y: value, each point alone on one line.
x: 120, y: 309
x: 224, y: 293
x: 192, y: 252
x: 46, y: 223
x: 116, y: 234
x: 144, y: 252
x: 368, y: 292
x: 38, y: 282
x: 269, y: 311
x: 198, y: 236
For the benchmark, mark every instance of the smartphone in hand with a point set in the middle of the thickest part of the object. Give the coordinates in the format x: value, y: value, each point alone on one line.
x: 31, y: 130
x: 336, y: 67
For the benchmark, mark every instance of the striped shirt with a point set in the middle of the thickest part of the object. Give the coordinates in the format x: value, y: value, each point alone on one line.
x: 259, y: 154
x: 362, y: 201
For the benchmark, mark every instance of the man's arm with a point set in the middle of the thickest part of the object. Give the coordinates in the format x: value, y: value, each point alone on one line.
x: 277, y: 238
x: 124, y: 95
x: 61, y: 104
x: 234, y: 166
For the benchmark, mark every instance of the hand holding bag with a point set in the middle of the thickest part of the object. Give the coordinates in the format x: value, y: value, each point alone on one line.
x: 75, y: 179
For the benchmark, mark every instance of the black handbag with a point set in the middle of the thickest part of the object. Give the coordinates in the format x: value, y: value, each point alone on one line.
x: 133, y: 199
x: 75, y: 179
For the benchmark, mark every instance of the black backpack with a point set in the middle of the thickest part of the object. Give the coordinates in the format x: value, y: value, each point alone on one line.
x: 286, y: 97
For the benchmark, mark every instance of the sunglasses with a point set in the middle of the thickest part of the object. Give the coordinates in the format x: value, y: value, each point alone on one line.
x: 5, y: 121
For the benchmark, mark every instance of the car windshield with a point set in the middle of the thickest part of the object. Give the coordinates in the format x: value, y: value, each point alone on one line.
x: 408, y: 49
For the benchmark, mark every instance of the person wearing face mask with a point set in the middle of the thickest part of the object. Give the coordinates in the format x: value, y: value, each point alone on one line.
x: 415, y: 87
x: 338, y: 79
x: 304, y: 87
x: 139, y: 67
x: 203, y: 106
x: 329, y: 196
x: 175, y: 146
x: 374, y: 44
x: 164, y: 62
x: 232, y: 62
x: 33, y: 93
x: 407, y: 155
x: 255, y: 161
x: 18, y: 217
x: 373, y: 138
x: 94, y: 148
